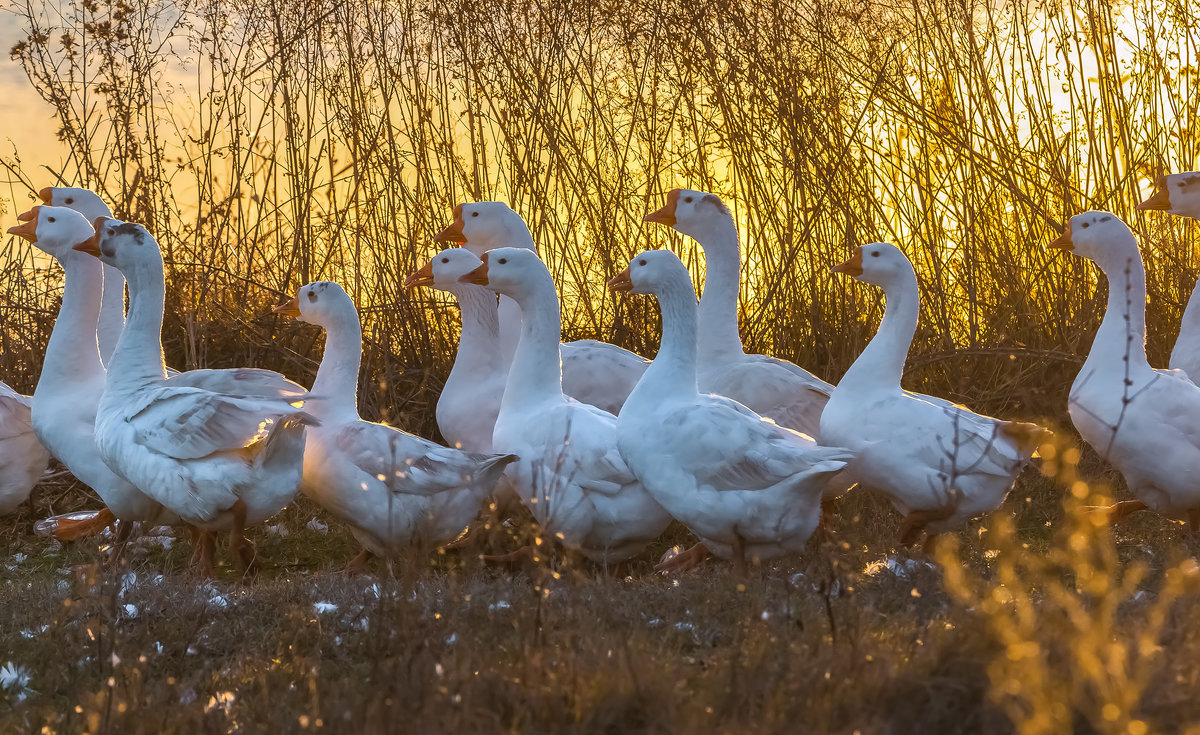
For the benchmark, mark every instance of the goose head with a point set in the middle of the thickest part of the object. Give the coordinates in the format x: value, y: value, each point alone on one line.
x: 650, y: 273
x: 444, y: 270
x: 1100, y: 237
x: 126, y: 246
x: 1176, y: 194
x: 690, y: 212
x: 513, y: 272
x: 85, y: 201
x: 483, y: 226
x: 879, y: 264
x: 323, y: 303
x: 54, y: 230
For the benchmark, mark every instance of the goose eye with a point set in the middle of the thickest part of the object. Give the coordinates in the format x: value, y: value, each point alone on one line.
x: 445, y: 260
x: 312, y: 296
x: 474, y: 214
x: 875, y: 254
x: 688, y: 200
x: 502, y: 261
x: 1085, y: 225
x: 49, y: 219
x: 69, y: 201
x: 642, y: 261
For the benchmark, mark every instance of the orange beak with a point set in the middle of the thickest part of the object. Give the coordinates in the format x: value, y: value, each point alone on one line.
x: 46, y: 195
x: 1161, y: 199
x: 665, y: 215
x: 1063, y: 241
x: 91, y: 246
x: 28, y: 227
x: 621, y: 283
x: 454, y: 231
x: 852, y: 267
x: 422, y: 277
x: 291, y: 308
x: 479, y: 276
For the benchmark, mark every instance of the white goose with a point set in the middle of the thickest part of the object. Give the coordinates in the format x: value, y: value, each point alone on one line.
x: 571, y: 475
x: 594, y: 372
x: 112, y: 302
x: 1180, y: 194
x: 222, y: 449
x: 746, y: 486
x: 470, y: 399
x: 1146, y: 422
x: 938, y: 462
x: 22, y: 457
x: 393, y: 489
x: 776, y: 389
x: 72, y: 380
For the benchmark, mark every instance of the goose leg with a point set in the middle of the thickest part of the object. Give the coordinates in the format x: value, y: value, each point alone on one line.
x: 513, y: 559
x: 202, y: 557
x: 124, y: 529
x: 1118, y: 511
x: 1194, y: 519
x: 828, y: 513
x: 683, y: 561
x: 241, y: 547
x: 739, y: 556
x: 930, y: 544
x: 358, y: 563
x: 916, y: 520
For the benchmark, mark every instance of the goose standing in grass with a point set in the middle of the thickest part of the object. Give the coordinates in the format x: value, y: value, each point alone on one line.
x: 1180, y: 194
x: 23, y: 459
x: 73, y: 377
x: 470, y: 399
x: 746, y: 486
x: 1146, y: 422
x: 594, y: 372
x: 393, y: 489
x: 221, y: 449
x: 571, y: 475
x: 938, y: 462
x: 112, y: 301
x: 776, y: 389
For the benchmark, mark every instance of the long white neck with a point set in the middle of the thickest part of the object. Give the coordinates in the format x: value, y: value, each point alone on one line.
x: 536, y: 371
x: 72, y: 354
x: 138, y: 357
x: 718, y: 336
x: 112, y: 312
x: 514, y: 234
x: 1122, y: 332
x: 881, y: 364
x: 1190, y: 324
x: 479, y: 342
x: 673, y: 372
x: 335, y: 389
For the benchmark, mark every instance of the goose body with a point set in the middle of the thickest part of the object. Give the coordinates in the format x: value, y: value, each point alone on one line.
x: 1179, y: 194
x: 938, y: 462
x: 593, y: 372
x: 1149, y: 429
x: 776, y: 389
x: 571, y: 475
x: 23, y: 459
x: 67, y: 397
x: 221, y: 449
x: 746, y: 486
x: 391, y: 487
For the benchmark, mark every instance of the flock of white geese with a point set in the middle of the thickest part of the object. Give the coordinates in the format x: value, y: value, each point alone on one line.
x: 602, y: 446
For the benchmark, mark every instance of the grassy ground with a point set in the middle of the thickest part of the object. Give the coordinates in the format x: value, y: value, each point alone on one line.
x: 1032, y: 629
